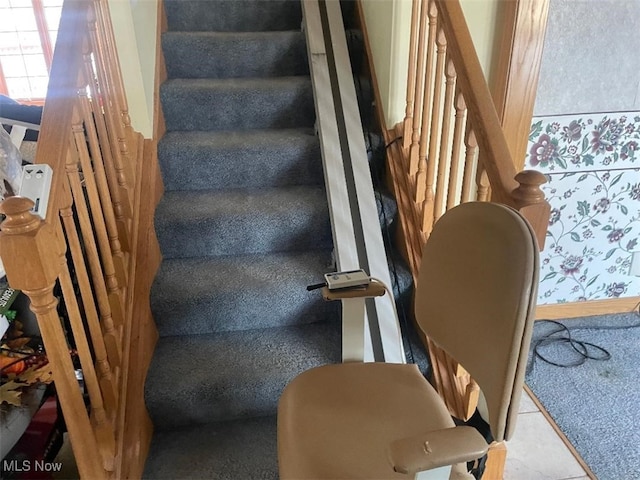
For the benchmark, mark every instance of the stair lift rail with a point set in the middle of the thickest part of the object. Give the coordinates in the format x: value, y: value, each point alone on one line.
x: 371, y: 331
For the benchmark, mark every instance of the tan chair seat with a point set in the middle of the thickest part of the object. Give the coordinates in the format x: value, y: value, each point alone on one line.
x: 325, y: 422
x: 475, y: 298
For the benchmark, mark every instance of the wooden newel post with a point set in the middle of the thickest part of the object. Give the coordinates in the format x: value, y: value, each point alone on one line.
x: 529, y: 200
x: 31, y: 254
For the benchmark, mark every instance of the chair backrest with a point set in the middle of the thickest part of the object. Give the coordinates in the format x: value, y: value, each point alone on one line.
x: 476, y: 298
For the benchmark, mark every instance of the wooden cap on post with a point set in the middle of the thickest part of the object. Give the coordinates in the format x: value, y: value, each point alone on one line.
x: 529, y: 200
x: 528, y: 191
x: 28, y: 246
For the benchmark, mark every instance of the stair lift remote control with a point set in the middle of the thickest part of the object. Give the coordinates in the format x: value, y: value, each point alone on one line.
x: 350, y: 279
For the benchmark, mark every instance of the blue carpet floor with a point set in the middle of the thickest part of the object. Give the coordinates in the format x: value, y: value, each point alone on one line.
x: 595, y: 404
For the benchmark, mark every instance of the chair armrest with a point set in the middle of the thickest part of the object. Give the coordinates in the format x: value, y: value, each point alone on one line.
x: 437, y: 449
x: 374, y: 289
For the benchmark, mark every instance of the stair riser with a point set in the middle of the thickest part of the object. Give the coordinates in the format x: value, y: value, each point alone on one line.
x: 200, y: 55
x: 192, y: 106
x: 233, y: 15
x: 192, y: 166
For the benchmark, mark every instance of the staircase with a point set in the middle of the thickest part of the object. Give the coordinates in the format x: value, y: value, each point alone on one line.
x: 243, y: 226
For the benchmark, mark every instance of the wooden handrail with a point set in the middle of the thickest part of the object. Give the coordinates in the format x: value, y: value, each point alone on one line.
x: 63, y: 86
x: 481, y: 108
x: 95, y: 213
x: 519, y: 190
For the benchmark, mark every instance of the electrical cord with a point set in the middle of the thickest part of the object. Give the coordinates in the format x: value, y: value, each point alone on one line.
x: 583, y: 350
x: 394, y: 269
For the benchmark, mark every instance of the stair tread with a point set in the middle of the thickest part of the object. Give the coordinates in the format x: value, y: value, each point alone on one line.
x: 237, y: 103
x: 263, y: 36
x: 233, y: 375
x: 204, y: 295
x: 232, y: 15
x: 240, y: 449
x: 238, y: 84
x: 223, y: 54
x: 239, y: 138
x: 191, y: 205
x: 240, y: 221
x: 201, y: 160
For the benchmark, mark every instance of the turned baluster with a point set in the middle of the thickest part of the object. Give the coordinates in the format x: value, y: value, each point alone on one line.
x: 100, y: 203
x: 427, y: 196
x: 411, y: 75
x: 103, y: 17
x: 113, y: 122
x: 529, y: 199
x: 106, y: 377
x: 424, y: 46
x: 445, y: 139
x: 114, y: 286
x: 422, y: 183
x: 111, y: 314
x: 482, y: 183
x: 117, y: 192
x: 456, y: 150
x: 107, y: 49
x: 102, y: 426
x: 470, y: 160
x: 96, y: 162
x: 31, y: 257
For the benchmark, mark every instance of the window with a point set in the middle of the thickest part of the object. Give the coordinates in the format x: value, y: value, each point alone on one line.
x: 28, y: 30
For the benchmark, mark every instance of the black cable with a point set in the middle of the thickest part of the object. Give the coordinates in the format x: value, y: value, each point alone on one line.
x: 386, y: 147
x: 394, y: 269
x: 584, y: 350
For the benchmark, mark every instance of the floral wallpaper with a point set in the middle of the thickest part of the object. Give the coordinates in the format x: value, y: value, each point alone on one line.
x: 592, y: 166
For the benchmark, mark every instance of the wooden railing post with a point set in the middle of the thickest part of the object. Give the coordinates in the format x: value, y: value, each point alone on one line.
x: 529, y: 200
x: 32, y: 255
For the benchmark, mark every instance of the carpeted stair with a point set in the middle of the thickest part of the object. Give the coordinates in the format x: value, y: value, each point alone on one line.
x: 243, y: 227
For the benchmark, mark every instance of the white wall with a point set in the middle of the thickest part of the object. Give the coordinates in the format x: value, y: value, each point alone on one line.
x: 483, y: 21
x: 389, y: 26
x: 134, y: 25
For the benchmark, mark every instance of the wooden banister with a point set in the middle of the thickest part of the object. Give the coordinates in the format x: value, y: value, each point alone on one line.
x: 38, y: 271
x: 100, y: 212
x: 63, y: 87
x: 482, y: 111
x: 457, y: 153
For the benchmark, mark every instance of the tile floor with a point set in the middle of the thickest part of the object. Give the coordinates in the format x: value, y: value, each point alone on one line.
x: 536, y: 452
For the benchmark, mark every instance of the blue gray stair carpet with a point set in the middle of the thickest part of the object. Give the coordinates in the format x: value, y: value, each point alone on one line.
x: 243, y: 227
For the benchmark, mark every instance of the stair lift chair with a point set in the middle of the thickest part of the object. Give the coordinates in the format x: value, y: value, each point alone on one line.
x: 475, y: 298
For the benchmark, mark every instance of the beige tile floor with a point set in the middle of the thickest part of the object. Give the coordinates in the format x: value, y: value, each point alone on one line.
x: 536, y: 451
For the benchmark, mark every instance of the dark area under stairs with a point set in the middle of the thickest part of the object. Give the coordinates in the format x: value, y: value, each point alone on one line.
x: 243, y: 227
